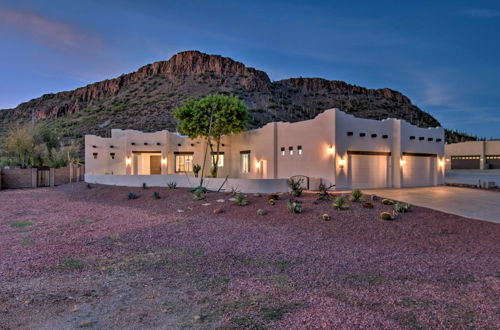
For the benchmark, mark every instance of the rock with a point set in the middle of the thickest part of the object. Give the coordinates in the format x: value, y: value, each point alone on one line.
x: 180, y: 211
x: 368, y: 205
x: 220, y: 201
x: 386, y: 216
x: 206, y: 204
x: 218, y: 211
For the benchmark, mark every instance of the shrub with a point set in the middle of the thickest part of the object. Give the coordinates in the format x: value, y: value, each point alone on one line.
x: 402, y: 207
x: 196, y: 169
x: 386, y: 201
x: 386, y: 216
x: 144, y: 185
x: 295, y: 187
x: 274, y: 196
x: 340, y: 203
x: 261, y: 212
x: 294, y: 206
x: 356, y: 196
x: 201, y: 188
x: 131, y: 195
x: 199, y: 194
x: 156, y: 195
x: 324, y: 195
x: 368, y: 205
x: 240, y: 199
x: 172, y: 185
x: 271, y: 202
x: 326, y: 217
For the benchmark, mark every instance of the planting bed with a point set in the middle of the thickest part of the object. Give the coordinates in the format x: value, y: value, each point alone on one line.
x: 77, y: 257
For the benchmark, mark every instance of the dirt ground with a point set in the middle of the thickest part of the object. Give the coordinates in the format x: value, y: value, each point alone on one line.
x: 74, y: 257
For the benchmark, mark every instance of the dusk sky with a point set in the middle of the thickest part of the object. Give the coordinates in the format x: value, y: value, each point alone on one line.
x: 444, y: 55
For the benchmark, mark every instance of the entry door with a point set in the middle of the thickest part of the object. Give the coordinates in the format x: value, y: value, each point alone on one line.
x: 418, y: 171
x: 155, y: 165
x: 368, y: 171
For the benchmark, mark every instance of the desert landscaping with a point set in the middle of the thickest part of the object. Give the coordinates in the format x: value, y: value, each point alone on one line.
x: 95, y: 256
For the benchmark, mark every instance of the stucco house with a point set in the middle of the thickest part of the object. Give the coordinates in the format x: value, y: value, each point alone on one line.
x: 473, y: 155
x: 334, y: 148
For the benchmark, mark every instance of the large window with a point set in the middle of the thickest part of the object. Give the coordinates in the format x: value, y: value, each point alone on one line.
x: 245, y: 161
x: 221, y: 159
x: 184, y: 162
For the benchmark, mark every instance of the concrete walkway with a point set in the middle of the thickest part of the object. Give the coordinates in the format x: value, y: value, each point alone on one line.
x: 465, y: 202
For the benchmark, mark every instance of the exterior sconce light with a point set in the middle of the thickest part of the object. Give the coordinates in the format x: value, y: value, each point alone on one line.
x: 257, y: 164
x: 441, y: 163
x: 164, y: 161
x: 341, y: 163
x: 330, y: 150
x: 128, y: 161
x: 402, y: 162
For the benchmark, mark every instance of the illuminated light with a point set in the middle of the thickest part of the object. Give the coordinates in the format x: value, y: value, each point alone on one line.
x: 330, y: 150
x: 257, y: 164
x: 128, y: 161
x: 164, y: 160
x: 441, y: 163
x: 402, y: 162
x: 341, y: 163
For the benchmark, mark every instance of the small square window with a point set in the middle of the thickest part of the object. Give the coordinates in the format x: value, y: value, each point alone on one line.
x: 290, y: 149
x: 95, y: 155
x: 299, y: 150
x: 350, y: 133
x: 362, y: 134
x: 112, y: 155
x: 282, y: 151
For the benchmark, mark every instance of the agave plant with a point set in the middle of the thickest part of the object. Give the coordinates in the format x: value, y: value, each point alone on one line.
x: 294, y: 206
x: 356, y: 196
x: 198, y: 194
x: 402, y: 207
x: 156, y: 195
x: 340, y: 203
x: 172, y: 185
x: 295, y: 187
x: 240, y: 199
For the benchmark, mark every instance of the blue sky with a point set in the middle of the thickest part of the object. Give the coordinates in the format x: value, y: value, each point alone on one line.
x: 444, y: 55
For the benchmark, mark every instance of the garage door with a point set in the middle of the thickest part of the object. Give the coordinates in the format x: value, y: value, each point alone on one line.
x: 418, y: 171
x: 465, y: 162
x: 368, y: 170
x: 493, y: 161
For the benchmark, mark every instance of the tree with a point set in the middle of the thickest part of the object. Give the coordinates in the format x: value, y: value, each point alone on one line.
x: 212, y: 117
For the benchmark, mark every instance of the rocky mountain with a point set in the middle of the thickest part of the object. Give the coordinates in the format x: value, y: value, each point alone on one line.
x: 144, y: 99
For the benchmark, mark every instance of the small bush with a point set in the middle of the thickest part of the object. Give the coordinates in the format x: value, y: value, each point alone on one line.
x: 131, y: 195
x: 402, y: 207
x: 172, y: 185
x: 340, y: 203
x: 294, y: 206
x: 324, y: 195
x: 356, y: 196
x: 295, y: 187
x: 386, y: 216
x: 156, y: 195
x: 386, y: 201
x: 144, y: 185
x: 199, y: 194
x: 201, y: 188
x: 326, y: 217
x: 240, y: 199
x: 261, y: 212
x: 21, y: 224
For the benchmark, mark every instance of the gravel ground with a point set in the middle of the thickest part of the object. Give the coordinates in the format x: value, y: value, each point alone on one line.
x: 74, y: 257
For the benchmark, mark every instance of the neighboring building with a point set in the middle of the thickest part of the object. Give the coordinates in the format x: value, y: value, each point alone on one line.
x: 335, y: 147
x: 473, y: 155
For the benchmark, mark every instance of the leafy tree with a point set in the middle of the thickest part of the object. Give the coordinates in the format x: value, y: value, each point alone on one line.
x: 212, y: 117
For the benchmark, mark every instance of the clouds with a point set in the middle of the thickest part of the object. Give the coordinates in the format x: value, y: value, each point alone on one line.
x: 49, y: 32
x: 481, y: 13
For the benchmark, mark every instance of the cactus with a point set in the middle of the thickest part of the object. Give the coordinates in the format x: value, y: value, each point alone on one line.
x: 386, y: 216
x: 356, y: 196
x: 326, y: 217
x: 156, y: 195
x: 240, y: 199
x: 131, y: 195
x: 271, y: 202
x: 261, y: 212
x: 386, y: 201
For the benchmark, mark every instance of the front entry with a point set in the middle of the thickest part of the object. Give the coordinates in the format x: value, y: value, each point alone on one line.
x: 155, y: 165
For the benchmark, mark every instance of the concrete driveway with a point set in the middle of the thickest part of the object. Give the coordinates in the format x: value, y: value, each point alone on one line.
x: 470, y: 203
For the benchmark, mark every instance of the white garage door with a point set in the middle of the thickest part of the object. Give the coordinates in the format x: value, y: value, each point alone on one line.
x: 418, y: 171
x: 368, y: 171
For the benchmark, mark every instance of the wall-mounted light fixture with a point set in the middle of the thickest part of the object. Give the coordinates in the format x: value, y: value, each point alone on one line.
x: 441, y: 162
x: 128, y: 161
x: 330, y: 150
x: 341, y: 163
x: 402, y: 162
x: 164, y: 161
x: 257, y: 164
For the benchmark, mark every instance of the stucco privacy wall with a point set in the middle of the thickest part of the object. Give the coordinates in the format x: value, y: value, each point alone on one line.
x: 334, y: 147
x: 187, y: 181
x: 473, y: 148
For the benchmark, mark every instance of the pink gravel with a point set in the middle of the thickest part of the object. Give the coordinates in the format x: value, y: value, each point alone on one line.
x: 85, y: 250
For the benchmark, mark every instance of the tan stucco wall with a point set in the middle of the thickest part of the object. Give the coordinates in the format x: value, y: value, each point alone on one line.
x: 472, y: 148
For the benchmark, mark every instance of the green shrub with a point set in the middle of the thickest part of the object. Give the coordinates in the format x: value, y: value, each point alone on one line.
x: 386, y: 201
x: 402, y: 207
x: 199, y: 194
x: 172, y: 185
x: 20, y: 224
x: 295, y: 187
x: 156, y: 195
x: 340, y: 203
x: 386, y: 216
x: 261, y: 212
x: 294, y: 206
x: 201, y: 188
x: 356, y: 196
x: 240, y: 199
x: 144, y: 185
x: 131, y: 195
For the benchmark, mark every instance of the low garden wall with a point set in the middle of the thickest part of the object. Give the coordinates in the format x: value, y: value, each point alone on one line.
x: 17, y: 178
x: 187, y: 181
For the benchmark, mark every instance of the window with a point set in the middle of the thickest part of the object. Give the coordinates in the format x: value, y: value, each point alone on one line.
x: 112, y: 155
x: 282, y: 151
x: 290, y: 149
x: 95, y: 155
x: 221, y: 159
x: 299, y: 150
x: 245, y: 161
x: 184, y: 162
x: 362, y: 134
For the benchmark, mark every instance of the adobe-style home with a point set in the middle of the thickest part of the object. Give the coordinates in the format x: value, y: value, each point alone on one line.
x: 473, y: 155
x: 334, y: 147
